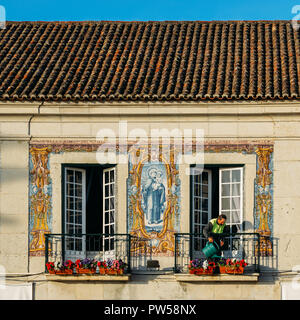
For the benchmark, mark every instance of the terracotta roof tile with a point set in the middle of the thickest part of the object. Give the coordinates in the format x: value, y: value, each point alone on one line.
x: 102, y: 61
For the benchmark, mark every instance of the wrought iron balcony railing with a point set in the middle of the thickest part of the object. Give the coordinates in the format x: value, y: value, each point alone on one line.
x: 62, y: 247
x: 237, y: 246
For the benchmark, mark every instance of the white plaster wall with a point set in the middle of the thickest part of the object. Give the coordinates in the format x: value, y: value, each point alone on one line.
x: 276, y: 122
x: 14, y: 175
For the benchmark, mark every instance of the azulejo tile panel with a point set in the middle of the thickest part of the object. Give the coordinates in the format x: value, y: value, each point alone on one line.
x: 153, y: 192
x: 40, y: 195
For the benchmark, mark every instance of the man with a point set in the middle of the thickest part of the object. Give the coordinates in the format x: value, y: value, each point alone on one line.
x: 214, y: 230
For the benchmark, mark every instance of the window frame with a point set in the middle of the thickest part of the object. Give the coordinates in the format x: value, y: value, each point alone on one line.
x: 109, y: 253
x: 220, y: 167
x: 241, y: 217
x: 71, y: 253
x: 83, y: 166
x: 209, y: 211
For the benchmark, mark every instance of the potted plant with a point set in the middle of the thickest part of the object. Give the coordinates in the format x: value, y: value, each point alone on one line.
x: 195, y: 266
x: 222, y: 265
x: 50, y: 267
x: 86, y: 266
x: 102, y: 267
x: 65, y: 268
x: 198, y: 267
x: 232, y: 266
x: 239, y: 266
x: 210, y: 267
x: 111, y: 267
x: 119, y: 265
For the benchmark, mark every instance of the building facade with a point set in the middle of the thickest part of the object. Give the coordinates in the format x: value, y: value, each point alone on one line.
x: 125, y: 139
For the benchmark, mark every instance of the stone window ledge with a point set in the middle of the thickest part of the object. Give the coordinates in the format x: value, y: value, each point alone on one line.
x: 85, y: 277
x: 253, y: 277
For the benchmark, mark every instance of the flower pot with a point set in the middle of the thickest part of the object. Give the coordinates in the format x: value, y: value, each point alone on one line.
x: 120, y: 271
x: 102, y: 271
x: 209, y: 271
x: 111, y: 272
x: 85, y: 271
x: 63, y: 272
x: 235, y: 270
x: 199, y: 271
x: 222, y: 269
x: 192, y: 271
x: 51, y: 271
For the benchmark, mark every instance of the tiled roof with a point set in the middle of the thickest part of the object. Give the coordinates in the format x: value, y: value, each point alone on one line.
x: 103, y: 61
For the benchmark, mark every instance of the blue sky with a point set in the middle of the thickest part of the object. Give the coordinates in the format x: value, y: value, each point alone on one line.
x: 142, y: 10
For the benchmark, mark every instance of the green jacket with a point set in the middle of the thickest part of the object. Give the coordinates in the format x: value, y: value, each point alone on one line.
x: 217, y: 228
x: 213, y: 228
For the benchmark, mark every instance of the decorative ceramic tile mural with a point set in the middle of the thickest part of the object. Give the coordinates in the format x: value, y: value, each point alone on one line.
x: 40, y: 196
x: 153, y: 193
x: 153, y: 202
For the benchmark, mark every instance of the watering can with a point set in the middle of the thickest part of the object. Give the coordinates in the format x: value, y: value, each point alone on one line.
x: 211, y: 249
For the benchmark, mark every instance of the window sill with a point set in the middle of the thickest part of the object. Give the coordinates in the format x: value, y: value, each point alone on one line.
x: 253, y: 277
x: 87, y: 277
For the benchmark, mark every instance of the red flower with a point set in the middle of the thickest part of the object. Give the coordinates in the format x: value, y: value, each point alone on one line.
x: 50, y: 265
x: 102, y: 264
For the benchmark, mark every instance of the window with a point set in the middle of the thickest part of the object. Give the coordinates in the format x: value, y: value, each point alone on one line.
x: 215, y: 190
x: 231, y: 197
x: 201, y: 194
x: 75, y: 210
x: 109, y: 210
x: 88, y: 210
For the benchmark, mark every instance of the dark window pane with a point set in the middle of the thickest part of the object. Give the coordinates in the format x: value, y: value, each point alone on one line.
x: 205, y: 177
x: 197, y: 217
x: 107, y: 190
x: 106, y: 175
x: 78, y: 217
x: 78, y: 244
x: 112, y: 191
x: 112, y: 216
x: 78, y: 177
x: 112, y: 176
x: 205, y: 204
x: 70, y: 203
x: 70, y: 244
x: 106, y: 244
x: 112, y: 203
x: 70, y: 189
x: 196, y: 203
x: 112, y: 244
x: 204, y: 217
x: 78, y: 230
x: 205, y: 191
x: 78, y: 204
x: 70, y: 176
x: 112, y: 229
x: 78, y: 190
x: 106, y: 204
x: 70, y: 229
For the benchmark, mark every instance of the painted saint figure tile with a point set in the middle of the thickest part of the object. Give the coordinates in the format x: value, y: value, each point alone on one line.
x: 153, y: 191
x: 153, y: 203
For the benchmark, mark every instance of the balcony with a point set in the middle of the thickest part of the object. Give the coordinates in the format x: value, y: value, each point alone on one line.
x: 100, y: 247
x: 236, y: 246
